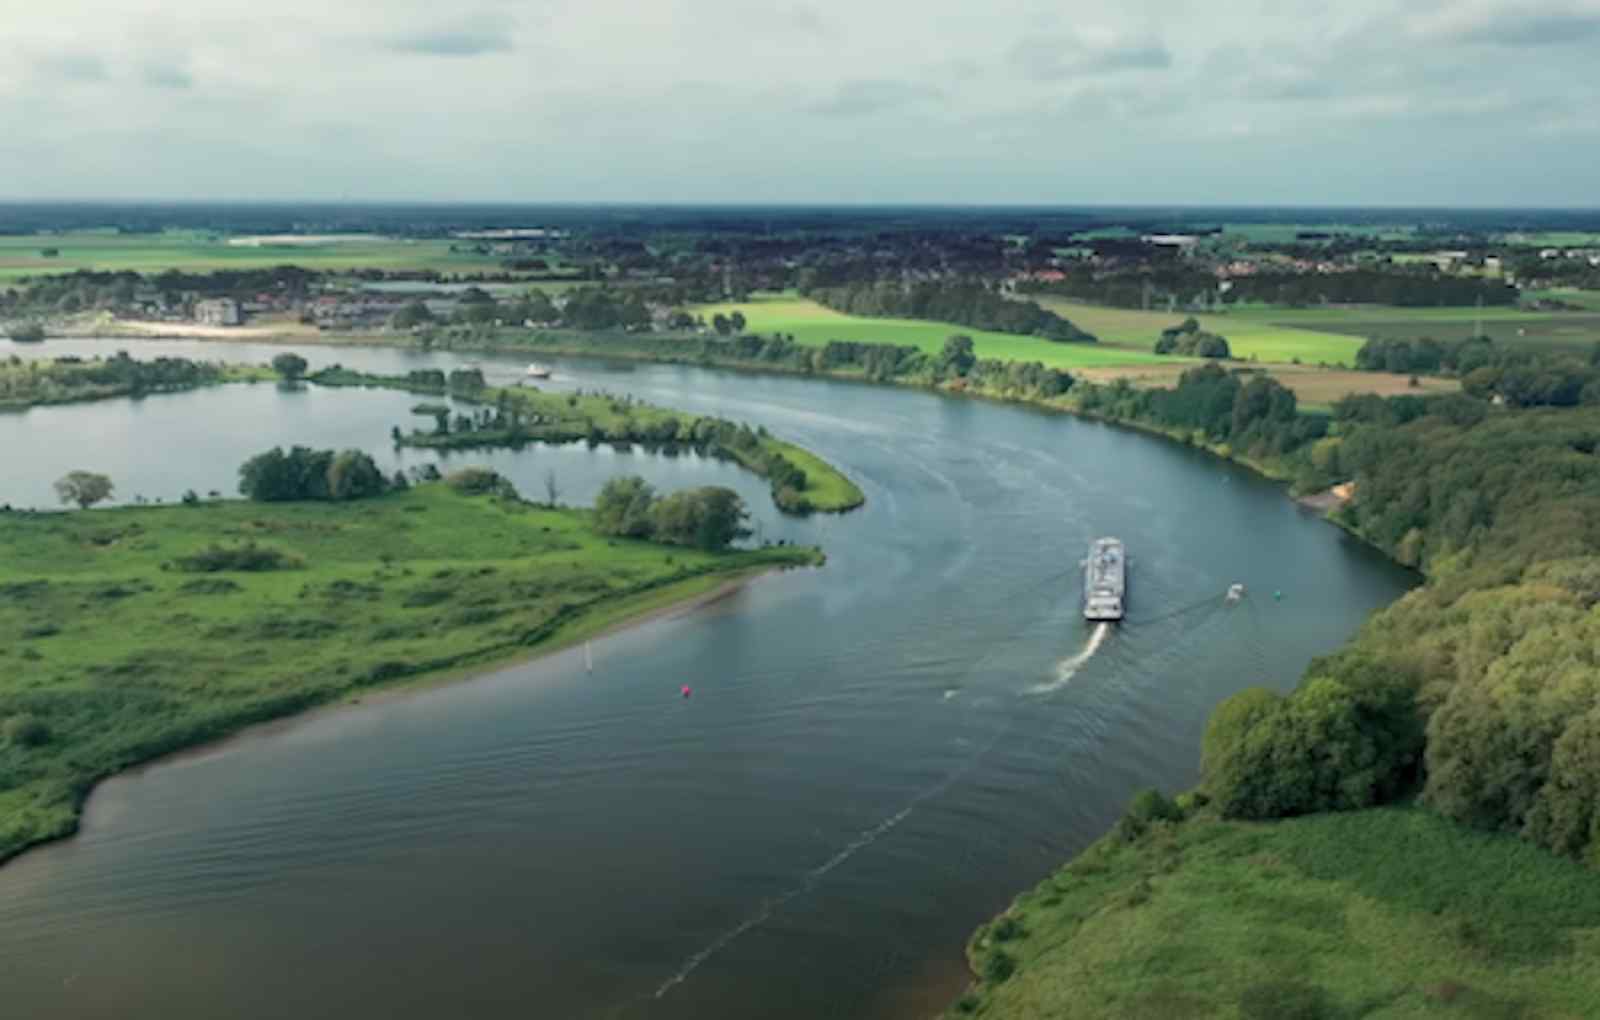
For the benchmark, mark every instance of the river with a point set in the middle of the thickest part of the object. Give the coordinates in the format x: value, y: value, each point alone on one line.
x: 878, y: 755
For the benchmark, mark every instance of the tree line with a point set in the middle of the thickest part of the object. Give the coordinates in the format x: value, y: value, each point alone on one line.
x: 710, y: 518
x: 1191, y: 287
x: 1519, y: 375
x: 962, y: 303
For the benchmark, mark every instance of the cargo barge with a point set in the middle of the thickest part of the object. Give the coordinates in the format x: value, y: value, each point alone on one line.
x: 1105, y: 580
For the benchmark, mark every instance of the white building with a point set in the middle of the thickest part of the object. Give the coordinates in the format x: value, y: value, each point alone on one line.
x: 217, y: 312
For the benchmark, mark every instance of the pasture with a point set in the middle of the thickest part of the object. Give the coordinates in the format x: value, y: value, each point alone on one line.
x: 1249, y: 337
x: 813, y: 325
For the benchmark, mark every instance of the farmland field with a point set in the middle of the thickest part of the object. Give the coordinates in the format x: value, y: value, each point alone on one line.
x: 1315, y: 388
x: 1504, y: 325
x: 1248, y: 336
x: 193, y: 251
x: 813, y: 325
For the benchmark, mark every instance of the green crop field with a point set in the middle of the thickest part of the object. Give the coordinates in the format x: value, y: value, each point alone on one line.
x: 189, y: 251
x: 1385, y: 913
x: 813, y: 325
x: 116, y: 647
x: 1248, y: 336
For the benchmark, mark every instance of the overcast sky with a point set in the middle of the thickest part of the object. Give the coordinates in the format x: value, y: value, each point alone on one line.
x: 1145, y: 101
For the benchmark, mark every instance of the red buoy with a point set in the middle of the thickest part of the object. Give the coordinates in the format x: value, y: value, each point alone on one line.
x: 686, y: 690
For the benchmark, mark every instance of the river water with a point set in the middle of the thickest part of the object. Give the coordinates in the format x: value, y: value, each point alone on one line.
x: 878, y: 755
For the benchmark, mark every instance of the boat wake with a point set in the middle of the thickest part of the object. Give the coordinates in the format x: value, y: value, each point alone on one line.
x: 1066, y: 669
x: 806, y: 884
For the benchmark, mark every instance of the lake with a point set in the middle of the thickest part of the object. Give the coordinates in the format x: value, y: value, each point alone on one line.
x: 878, y: 754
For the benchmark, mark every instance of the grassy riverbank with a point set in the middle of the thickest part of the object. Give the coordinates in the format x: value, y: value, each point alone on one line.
x: 25, y: 384
x: 119, y: 643
x: 1386, y: 913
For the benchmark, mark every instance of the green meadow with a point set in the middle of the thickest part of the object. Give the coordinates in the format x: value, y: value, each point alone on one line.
x: 813, y: 325
x: 132, y: 632
x: 1382, y: 914
x: 1248, y: 335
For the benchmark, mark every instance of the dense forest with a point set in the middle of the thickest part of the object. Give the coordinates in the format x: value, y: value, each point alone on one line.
x: 1480, y: 692
x: 1520, y: 376
x: 965, y: 304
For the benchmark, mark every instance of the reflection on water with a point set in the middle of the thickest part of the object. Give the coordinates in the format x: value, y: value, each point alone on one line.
x: 878, y: 754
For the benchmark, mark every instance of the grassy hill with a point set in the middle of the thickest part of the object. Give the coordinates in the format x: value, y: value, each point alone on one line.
x: 1382, y: 914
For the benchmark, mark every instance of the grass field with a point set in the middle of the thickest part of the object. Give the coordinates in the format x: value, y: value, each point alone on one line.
x: 193, y: 252
x: 1381, y: 914
x: 120, y: 654
x: 813, y: 325
x: 1248, y: 336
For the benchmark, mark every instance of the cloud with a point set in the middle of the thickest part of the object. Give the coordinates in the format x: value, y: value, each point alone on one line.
x: 1057, y: 57
x: 73, y: 67
x: 165, y: 76
x: 1512, y: 26
x: 866, y: 96
x: 467, y: 37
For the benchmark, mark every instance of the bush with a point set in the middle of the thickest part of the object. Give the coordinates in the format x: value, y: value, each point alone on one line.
x: 26, y: 731
x: 478, y: 481
x: 247, y: 558
x: 998, y: 966
x: 1006, y: 929
x: 1147, y: 807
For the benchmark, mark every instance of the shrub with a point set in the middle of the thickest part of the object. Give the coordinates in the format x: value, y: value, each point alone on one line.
x: 1006, y: 929
x: 477, y: 481
x: 209, y: 586
x: 247, y: 558
x: 26, y: 731
x: 1147, y: 807
x: 998, y: 966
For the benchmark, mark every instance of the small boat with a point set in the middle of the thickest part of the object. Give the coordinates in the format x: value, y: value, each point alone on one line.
x: 1235, y: 592
x: 538, y: 371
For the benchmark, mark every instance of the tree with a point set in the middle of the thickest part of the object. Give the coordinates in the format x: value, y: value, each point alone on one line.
x: 709, y: 518
x: 737, y: 321
x: 411, y: 315
x: 957, y: 355
x: 722, y: 324
x: 354, y: 475
x: 84, y: 488
x: 27, y: 333
x: 289, y: 365
x: 623, y: 508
